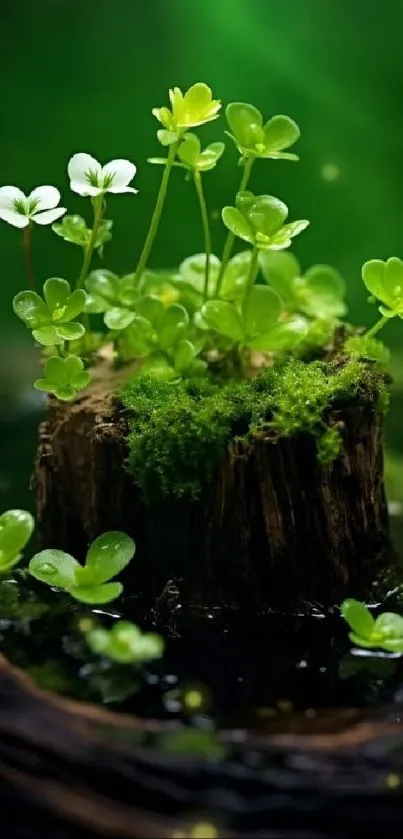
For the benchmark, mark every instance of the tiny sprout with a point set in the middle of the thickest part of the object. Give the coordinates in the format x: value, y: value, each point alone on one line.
x: 74, y: 229
x: 195, y: 107
x: 40, y: 206
x: 106, y: 558
x: 89, y: 178
x: 125, y: 643
x: 383, y: 633
x: 64, y: 377
x: 16, y: 527
x: 51, y: 318
x: 260, y: 219
x: 255, y: 139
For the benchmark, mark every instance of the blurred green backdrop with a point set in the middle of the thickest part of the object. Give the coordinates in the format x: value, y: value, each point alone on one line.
x: 83, y: 75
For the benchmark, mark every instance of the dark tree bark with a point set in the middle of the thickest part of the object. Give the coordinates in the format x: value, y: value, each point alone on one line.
x: 75, y: 771
x: 274, y: 529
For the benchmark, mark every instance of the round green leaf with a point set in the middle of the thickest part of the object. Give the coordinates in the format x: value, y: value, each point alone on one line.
x: 48, y: 336
x: 282, y: 337
x: 193, y: 270
x: 70, y: 331
x: 108, y: 555
x: 16, y: 527
x: 189, y: 150
x: 358, y: 617
x: 118, y: 318
x: 104, y: 284
x: 157, y: 367
x: 56, y: 292
x: 393, y: 280
x: 389, y: 626
x: 210, y: 156
x: 280, y: 132
x: 56, y: 568
x: 73, y: 229
x: 236, y: 276
x: 151, y: 308
x: 262, y: 308
x: 31, y: 309
x: 280, y: 269
x: 245, y: 123
x: 237, y: 224
x: 96, y: 595
x: 222, y: 317
x: 373, y: 277
x: 267, y: 214
x: 172, y: 325
x: 322, y: 291
x: 183, y: 356
x: 75, y: 305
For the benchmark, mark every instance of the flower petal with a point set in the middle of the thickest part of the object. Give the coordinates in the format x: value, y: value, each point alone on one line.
x: 16, y: 219
x: 84, y: 188
x: 79, y: 167
x: 9, y: 195
x: 44, y: 197
x: 49, y: 216
x: 118, y: 174
x: 116, y: 189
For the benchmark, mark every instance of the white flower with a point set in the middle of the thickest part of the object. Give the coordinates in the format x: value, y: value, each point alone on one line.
x: 40, y: 206
x: 88, y: 177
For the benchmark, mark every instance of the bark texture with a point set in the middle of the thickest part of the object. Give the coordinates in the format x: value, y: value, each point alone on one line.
x: 275, y: 528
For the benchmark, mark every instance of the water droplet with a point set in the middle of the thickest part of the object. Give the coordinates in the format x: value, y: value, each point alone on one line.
x: 48, y: 569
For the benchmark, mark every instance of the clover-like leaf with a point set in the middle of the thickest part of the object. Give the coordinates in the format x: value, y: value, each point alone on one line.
x: 384, y: 280
x: 281, y: 337
x: 96, y: 595
x: 236, y: 276
x: 321, y: 292
x: 108, y: 555
x: 280, y: 132
x: 31, y: 309
x: 16, y: 528
x: 172, y: 326
x: 280, y: 269
x: 56, y: 568
x: 73, y: 229
x: 124, y: 643
x: 64, y: 377
x: 261, y: 309
x: 238, y: 224
x: 222, y: 317
x: 151, y: 308
x: 358, y: 617
x: 119, y: 318
x: 194, y: 159
x: 183, y: 356
x: 253, y: 139
x: 193, y: 271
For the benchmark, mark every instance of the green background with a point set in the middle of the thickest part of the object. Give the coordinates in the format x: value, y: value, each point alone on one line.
x: 83, y: 75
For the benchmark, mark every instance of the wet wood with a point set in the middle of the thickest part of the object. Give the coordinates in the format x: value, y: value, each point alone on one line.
x: 76, y: 771
x: 275, y: 528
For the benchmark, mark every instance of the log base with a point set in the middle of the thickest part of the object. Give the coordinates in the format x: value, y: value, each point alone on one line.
x: 276, y: 529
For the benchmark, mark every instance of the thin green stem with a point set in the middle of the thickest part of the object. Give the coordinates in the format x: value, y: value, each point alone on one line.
x: 376, y: 327
x: 229, y: 242
x: 156, y: 216
x: 206, y: 228
x: 98, y: 204
x: 252, y: 272
x: 29, y: 269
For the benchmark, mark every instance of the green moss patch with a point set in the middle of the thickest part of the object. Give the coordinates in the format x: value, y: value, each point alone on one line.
x: 179, y: 432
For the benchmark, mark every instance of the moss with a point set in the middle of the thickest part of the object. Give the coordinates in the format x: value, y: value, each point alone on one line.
x: 179, y: 432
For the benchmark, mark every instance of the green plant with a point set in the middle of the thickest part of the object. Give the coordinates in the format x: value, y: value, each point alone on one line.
x: 106, y: 558
x: 124, y: 643
x: 177, y: 323
x: 16, y: 527
x: 383, y: 633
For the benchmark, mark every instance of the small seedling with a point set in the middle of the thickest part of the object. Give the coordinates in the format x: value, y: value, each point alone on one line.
x: 106, y: 558
x: 64, y: 377
x: 52, y: 319
x: 16, y: 527
x: 125, y: 643
x: 383, y: 633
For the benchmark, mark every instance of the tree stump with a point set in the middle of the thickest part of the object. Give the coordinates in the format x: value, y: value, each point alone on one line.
x: 275, y: 529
